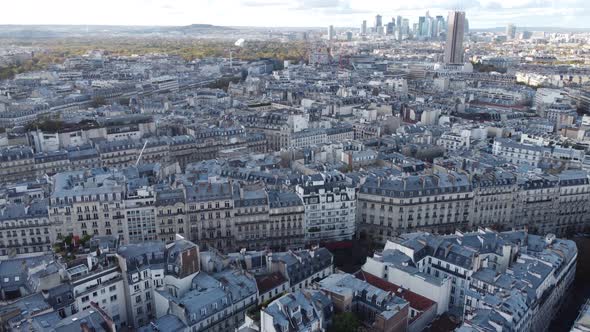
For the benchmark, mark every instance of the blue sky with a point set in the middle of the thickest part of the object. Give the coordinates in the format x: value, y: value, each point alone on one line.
x: 291, y: 13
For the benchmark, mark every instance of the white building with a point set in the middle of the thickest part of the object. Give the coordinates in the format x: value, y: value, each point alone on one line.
x: 330, y: 209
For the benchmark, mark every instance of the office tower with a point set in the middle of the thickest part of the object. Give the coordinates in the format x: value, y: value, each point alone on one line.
x: 405, y: 27
x: 466, y: 26
x: 398, y: 21
x: 364, y: 28
x: 349, y: 35
x: 421, y: 26
x: 390, y: 28
x: 510, y: 31
x: 331, y: 32
x: 440, y: 25
x: 378, y: 22
x: 454, y: 46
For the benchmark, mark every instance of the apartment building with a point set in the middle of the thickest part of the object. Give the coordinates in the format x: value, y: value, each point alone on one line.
x: 89, y: 202
x: 251, y: 219
x: 25, y: 229
x: 572, y: 204
x: 170, y: 216
x: 98, y: 281
x: 330, y: 207
x: 299, y: 311
x: 210, y: 209
x: 494, y: 199
x: 526, y: 296
x: 143, y: 267
x: 140, y: 213
x: 16, y: 164
x: 437, y: 203
x: 380, y: 310
x: 286, y: 219
x: 419, y: 260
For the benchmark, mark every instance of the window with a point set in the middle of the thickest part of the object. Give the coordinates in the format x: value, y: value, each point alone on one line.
x: 85, y: 299
x: 113, y: 298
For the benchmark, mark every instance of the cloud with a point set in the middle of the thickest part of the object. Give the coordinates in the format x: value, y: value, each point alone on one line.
x: 258, y: 3
x: 329, y: 7
x: 300, y: 13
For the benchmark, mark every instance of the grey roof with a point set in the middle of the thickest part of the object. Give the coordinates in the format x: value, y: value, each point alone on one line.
x: 417, y: 185
x: 302, y: 264
x: 203, y: 191
x: 278, y: 199
x: 89, y: 317
x: 385, y: 302
x: 37, y: 209
x: 16, y: 153
x: 169, y: 197
x: 167, y: 323
x: 143, y: 255
x: 294, y: 311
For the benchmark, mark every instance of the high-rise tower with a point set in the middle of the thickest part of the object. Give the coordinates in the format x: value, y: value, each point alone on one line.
x: 378, y: 22
x: 331, y: 32
x: 455, y: 30
x: 510, y: 31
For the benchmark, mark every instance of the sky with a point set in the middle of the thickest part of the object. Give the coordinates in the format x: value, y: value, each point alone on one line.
x: 291, y: 13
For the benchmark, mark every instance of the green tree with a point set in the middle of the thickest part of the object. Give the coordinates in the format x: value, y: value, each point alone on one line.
x: 344, y: 322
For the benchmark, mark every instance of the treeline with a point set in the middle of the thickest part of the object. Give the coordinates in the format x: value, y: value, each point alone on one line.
x: 38, y: 61
x: 57, y: 50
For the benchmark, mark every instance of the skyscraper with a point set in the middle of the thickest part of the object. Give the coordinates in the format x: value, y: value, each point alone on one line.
x: 390, y: 28
x: 421, y: 26
x: 440, y: 26
x: 399, y: 29
x: 364, y: 28
x: 510, y: 31
x: 455, y: 31
x: 405, y: 27
x: 378, y: 22
x: 331, y: 32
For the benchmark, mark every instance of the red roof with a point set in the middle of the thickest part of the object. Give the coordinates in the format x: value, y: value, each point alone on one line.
x: 269, y: 281
x: 417, y: 302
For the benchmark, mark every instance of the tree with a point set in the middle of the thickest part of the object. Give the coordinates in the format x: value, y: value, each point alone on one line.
x: 344, y: 322
x: 85, y: 240
x: 98, y: 101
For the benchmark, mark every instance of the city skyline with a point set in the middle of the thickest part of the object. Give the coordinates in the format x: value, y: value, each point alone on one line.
x: 295, y: 13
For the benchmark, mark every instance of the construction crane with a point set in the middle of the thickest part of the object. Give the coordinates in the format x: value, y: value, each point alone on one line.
x: 141, y: 153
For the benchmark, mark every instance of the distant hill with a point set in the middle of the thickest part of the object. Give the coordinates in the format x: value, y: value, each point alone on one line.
x: 61, y: 31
